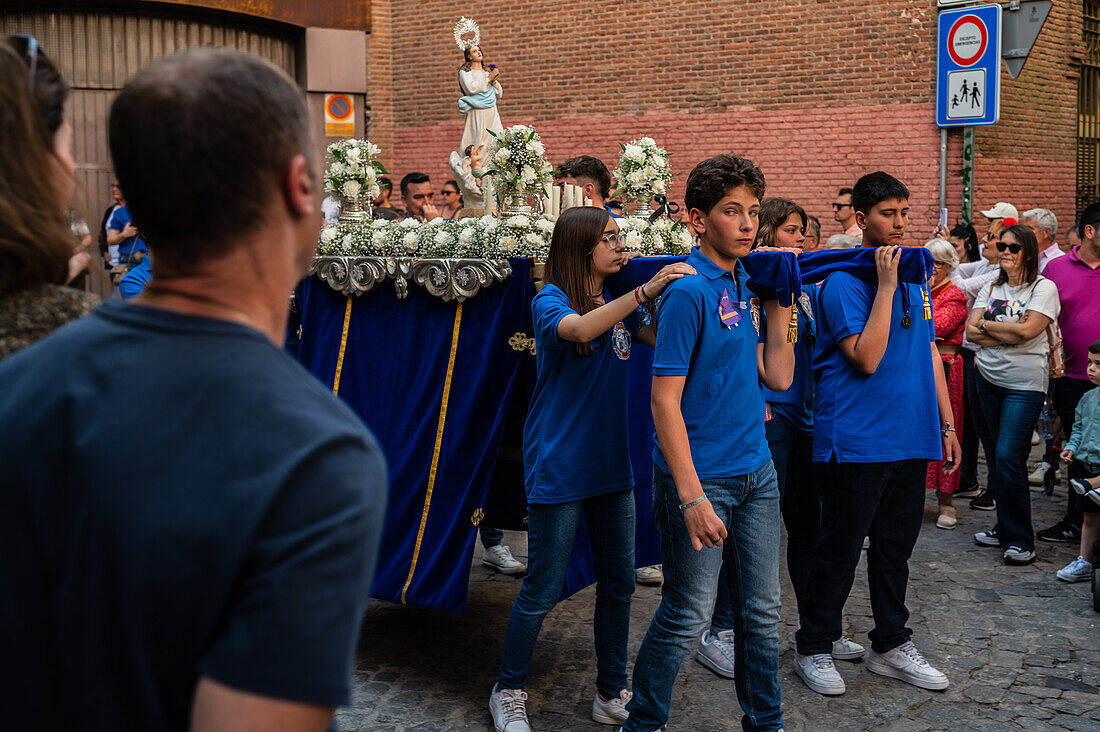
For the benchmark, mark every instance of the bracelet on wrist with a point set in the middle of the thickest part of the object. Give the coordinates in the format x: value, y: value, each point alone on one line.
x: 639, y: 297
x: 696, y: 502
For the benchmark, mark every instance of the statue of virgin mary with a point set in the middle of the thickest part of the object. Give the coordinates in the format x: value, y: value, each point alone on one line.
x: 480, y: 88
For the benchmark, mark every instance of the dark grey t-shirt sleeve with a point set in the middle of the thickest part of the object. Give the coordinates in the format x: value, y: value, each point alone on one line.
x: 293, y: 621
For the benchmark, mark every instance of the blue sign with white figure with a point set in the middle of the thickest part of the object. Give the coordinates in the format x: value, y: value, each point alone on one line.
x: 968, y: 66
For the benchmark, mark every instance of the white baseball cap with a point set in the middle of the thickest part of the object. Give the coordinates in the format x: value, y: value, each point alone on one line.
x: 1002, y: 210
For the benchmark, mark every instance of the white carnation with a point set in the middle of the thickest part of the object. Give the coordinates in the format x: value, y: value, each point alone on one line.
x: 328, y: 234
x: 528, y: 174
x: 519, y: 222
x: 443, y: 239
x: 545, y: 225
x: 354, y: 155
x: 379, y: 238
x: 534, y: 241
x: 351, y: 189
x: 633, y: 240
x: 659, y: 186
x: 466, y: 237
x: 355, y: 170
x: 502, y: 155
x: 410, y: 241
x: 375, y: 191
x: 634, y: 178
x: 379, y: 223
x: 634, y: 154
x: 409, y: 223
x: 337, y: 168
x: 347, y: 242
x: 508, y: 243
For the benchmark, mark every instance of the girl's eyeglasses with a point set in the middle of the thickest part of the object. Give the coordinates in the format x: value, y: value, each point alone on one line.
x: 612, y: 241
x: 1014, y: 248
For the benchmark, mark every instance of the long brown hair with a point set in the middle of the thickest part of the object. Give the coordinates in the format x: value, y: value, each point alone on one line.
x: 35, y: 241
x: 1029, y: 250
x: 569, y: 262
x: 773, y: 212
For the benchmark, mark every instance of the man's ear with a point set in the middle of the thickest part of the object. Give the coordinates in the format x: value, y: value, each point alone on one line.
x: 861, y: 219
x: 298, y: 187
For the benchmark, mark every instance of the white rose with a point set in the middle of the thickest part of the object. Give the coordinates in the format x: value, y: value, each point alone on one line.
x: 351, y: 189
x: 410, y: 241
x: 508, y: 243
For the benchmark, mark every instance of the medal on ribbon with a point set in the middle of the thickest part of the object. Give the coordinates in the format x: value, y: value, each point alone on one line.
x: 727, y: 312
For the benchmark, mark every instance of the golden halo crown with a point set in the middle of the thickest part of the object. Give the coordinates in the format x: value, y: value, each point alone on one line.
x: 464, y: 27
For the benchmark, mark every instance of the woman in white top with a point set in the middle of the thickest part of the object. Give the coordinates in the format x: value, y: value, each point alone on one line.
x: 1009, y: 322
x: 480, y: 90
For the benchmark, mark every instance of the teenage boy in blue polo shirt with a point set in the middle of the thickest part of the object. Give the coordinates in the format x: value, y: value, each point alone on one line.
x: 713, y: 475
x: 881, y: 413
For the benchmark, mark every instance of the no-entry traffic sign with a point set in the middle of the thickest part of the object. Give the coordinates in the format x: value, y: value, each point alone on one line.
x: 968, y: 58
x: 339, y: 109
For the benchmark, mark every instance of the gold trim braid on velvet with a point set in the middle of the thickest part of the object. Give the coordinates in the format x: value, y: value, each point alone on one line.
x: 435, y: 451
x: 343, y: 345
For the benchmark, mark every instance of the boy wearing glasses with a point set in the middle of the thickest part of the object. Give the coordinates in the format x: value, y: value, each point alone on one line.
x: 875, y: 351
x: 712, y: 474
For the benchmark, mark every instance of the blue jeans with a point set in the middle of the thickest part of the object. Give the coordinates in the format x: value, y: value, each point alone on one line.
x: 1010, y: 418
x: 551, y: 529
x: 490, y: 536
x: 792, y: 455
x: 749, y: 507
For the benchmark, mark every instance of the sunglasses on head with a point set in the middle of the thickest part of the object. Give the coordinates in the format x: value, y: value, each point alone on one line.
x: 30, y: 56
x: 1014, y: 248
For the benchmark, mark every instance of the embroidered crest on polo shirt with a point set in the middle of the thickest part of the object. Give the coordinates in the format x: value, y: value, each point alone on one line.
x: 620, y: 341
x: 756, y: 317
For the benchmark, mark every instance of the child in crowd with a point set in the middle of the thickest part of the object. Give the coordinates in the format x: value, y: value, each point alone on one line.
x: 881, y: 413
x: 713, y: 475
x: 576, y: 458
x: 1084, y: 449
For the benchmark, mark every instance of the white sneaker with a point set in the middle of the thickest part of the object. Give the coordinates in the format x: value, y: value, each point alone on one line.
x: 1035, y: 477
x: 844, y: 649
x: 907, y: 664
x: 509, y: 710
x: 1019, y: 555
x: 819, y: 673
x: 1079, y: 570
x: 500, y: 558
x: 652, y: 575
x: 612, y: 711
x: 716, y: 652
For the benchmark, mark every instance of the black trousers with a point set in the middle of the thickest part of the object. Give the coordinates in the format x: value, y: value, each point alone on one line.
x: 882, y: 501
x: 1067, y: 392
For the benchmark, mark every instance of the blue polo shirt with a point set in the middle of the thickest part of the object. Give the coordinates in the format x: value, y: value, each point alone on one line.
x: 133, y: 282
x: 575, y: 437
x: 723, y: 400
x: 118, y: 222
x: 796, y: 404
x: 891, y: 414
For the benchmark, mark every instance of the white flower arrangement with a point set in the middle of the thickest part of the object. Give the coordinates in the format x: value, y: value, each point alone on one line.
x: 353, y: 171
x: 486, y: 237
x: 643, y: 171
x: 518, y: 162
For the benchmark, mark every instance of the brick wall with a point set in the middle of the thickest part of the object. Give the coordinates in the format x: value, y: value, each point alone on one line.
x: 816, y: 93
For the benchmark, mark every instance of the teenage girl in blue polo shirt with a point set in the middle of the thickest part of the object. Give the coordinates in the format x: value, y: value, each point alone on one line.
x: 576, y: 456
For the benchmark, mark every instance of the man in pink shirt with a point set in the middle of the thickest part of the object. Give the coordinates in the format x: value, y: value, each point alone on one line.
x: 1077, y: 276
x: 1045, y: 225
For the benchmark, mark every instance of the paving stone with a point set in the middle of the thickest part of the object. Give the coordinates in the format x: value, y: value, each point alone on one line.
x: 1057, y: 682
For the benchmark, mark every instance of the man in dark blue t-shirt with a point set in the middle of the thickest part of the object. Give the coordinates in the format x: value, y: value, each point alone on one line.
x: 188, y: 520
x: 881, y: 396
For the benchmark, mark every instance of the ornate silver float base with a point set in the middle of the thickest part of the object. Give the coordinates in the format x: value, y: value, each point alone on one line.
x: 448, y: 279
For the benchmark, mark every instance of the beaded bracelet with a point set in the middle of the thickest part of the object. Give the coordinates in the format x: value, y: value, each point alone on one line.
x: 696, y: 502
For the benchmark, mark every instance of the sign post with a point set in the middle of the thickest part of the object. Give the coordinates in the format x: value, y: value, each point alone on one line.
x: 968, y: 65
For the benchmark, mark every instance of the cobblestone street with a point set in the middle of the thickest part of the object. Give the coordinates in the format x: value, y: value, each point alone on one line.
x: 1021, y: 648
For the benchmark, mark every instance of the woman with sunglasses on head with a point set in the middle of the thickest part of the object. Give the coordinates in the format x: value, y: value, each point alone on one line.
x: 576, y: 459
x: 1009, y: 321
x: 36, y: 244
x: 949, y: 313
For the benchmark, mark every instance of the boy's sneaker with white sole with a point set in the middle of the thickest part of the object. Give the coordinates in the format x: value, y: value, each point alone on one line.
x: 612, y: 711
x: 1079, y: 570
x: 819, y: 673
x: 906, y: 663
x: 716, y: 652
x: 500, y: 558
x: 509, y: 710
